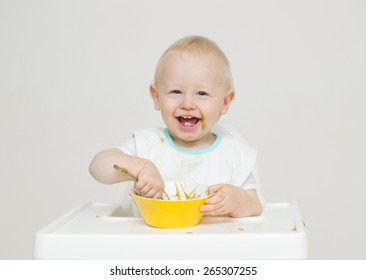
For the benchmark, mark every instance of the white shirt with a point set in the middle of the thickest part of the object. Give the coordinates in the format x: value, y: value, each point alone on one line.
x: 227, y: 161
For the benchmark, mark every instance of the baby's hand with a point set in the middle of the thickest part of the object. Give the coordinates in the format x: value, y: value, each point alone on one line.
x: 225, y: 200
x: 149, y: 182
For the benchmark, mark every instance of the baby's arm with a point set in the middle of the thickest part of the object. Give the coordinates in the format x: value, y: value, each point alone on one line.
x: 149, y: 182
x: 232, y: 200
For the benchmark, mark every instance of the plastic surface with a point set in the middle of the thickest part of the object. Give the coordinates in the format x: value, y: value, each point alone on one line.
x: 98, y: 231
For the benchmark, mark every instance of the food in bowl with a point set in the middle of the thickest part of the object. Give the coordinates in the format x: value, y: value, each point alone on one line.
x: 184, y: 191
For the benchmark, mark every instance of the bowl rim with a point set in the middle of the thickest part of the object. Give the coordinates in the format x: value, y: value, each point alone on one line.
x: 175, y: 201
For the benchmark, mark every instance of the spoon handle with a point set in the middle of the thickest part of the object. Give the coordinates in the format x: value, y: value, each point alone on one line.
x: 124, y: 171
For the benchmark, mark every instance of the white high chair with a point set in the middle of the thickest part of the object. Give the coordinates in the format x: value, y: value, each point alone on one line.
x: 96, y: 230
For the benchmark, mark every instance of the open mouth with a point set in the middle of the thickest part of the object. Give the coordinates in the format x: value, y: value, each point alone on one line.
x: 188, y: 121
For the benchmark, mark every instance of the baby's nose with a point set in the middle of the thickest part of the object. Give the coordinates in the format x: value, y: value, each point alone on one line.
x: 188, y: 103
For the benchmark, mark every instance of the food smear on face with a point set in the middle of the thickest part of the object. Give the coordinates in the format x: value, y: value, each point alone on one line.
x: 203, y: 123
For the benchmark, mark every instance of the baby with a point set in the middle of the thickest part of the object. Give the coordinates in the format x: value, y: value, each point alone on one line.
x: 192, y: 88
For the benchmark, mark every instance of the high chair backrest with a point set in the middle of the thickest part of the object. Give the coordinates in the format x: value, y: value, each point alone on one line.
x: 225, y: 129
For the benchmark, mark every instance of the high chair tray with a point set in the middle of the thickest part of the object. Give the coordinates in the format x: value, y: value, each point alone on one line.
x: 98, y: 231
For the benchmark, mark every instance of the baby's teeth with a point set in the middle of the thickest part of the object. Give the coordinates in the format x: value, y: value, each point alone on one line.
x: 187, y: 123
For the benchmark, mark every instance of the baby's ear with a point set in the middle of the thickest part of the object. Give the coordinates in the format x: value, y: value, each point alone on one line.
x: 155, y: 96
x: 229, y: 96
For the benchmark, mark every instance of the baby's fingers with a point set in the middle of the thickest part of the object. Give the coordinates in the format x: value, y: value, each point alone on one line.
x: 214, y: 188
x: 158, y: 195
x: 218, y: 196
x: 212, y: 209
x: 149, y: 190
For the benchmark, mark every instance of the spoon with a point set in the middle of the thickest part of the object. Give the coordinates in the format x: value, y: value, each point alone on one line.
x: 124, y: 171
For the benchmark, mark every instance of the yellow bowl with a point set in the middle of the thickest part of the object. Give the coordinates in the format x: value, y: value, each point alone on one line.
x: 170, y: 213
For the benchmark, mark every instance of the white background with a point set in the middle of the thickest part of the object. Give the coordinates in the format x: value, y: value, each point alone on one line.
x: 74, y: 79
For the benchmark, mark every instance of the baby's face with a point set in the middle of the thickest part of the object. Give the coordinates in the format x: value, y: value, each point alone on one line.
x: 191, y: 93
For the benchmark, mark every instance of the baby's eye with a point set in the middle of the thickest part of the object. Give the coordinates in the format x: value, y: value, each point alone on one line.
x: 202, y: 93
x: 176, y: 91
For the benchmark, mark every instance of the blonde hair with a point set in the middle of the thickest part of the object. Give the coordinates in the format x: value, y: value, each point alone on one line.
x: 198, y: 45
